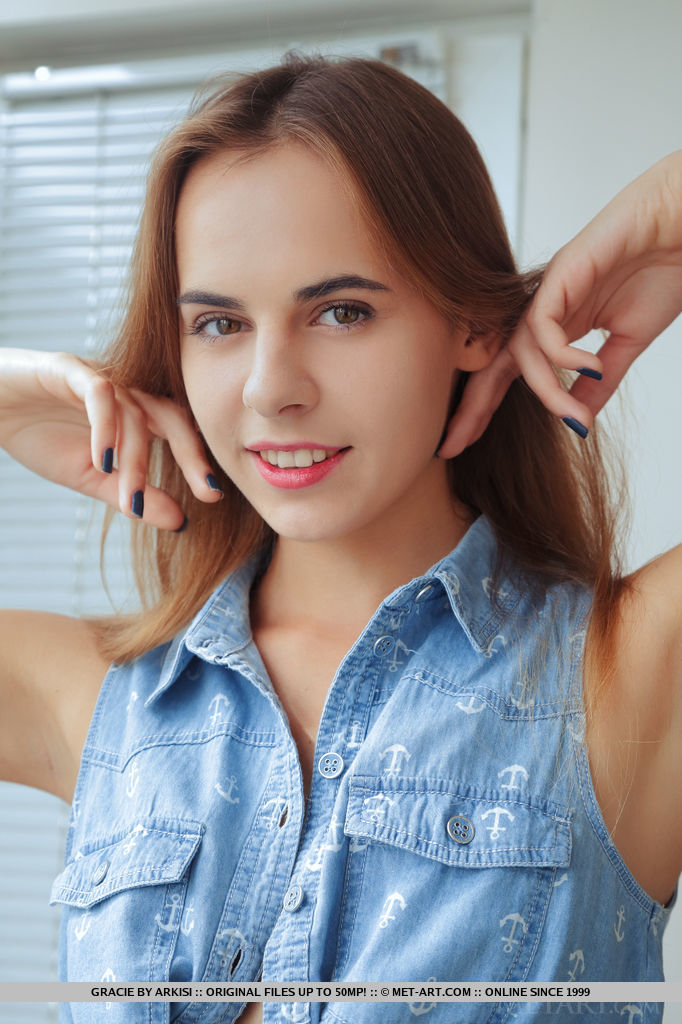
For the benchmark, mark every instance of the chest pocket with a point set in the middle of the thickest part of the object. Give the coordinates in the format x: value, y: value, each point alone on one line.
x: 446, y: 880
x: 123, y: 898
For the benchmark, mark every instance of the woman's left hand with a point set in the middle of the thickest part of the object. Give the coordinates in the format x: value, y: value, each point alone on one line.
x: 622, y: 273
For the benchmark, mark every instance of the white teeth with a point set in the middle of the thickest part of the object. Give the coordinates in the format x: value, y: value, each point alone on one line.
x: 300, y: 458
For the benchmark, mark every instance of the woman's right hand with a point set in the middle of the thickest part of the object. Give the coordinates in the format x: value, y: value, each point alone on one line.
x: 58, y: 416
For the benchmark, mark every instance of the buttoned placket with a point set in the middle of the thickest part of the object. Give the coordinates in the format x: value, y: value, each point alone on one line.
x: 343, y: 727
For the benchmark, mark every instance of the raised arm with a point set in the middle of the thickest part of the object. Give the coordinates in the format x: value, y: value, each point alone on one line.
x: 59, y: 417
x: 621, y: 273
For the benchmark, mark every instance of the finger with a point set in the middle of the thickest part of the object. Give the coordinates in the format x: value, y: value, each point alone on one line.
x: 133, y: 455
x: 617, y: 355
x: 552, y: 339
x: 541, y: 378
x: 160, y: 510
x: 168, y: 420
x: 483, y: 393
x: 100, y: 407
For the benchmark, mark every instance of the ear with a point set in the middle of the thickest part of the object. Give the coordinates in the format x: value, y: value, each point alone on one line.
x: 475, y: 351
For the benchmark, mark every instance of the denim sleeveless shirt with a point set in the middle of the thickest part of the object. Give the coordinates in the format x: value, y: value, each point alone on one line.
x: 451, y: 831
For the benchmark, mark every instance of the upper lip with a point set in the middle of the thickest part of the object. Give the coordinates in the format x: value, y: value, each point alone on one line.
x: 262, y: 446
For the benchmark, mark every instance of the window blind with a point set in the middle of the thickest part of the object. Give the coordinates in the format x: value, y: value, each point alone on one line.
x: 72, y: 166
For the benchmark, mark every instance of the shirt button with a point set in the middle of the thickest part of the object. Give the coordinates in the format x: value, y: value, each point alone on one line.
x: 384, y: 645
x: 100, y: 872
x: 293, y: 898
x: 460, y: 829
x: 330, y: 765
x: 424, y: 591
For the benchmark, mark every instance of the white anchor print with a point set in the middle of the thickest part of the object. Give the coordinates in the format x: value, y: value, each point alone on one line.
x: 315, y: 863
x: 521, y: 704
x: 394, y: 662
x: 278, y: 804
x: 356, y: 732
x: 135, y: 834
x: 232, y: 933
x: 657, y: 918
x: 509, y: 940
x: 133, y: 779
x: 131, y: 703
x: 399, y: 755
x: 496, y: 830
x: 632, y: 1010
x: 471, y: 708
x: 389, y: 903
x: 418, y: 1009
x: 75, y: 811
x: 514, y: 770
x: 578, y: 965
x: 108, y: 976
x: 489, y: 591
x: 83, y: 926
x: 577, y: 734
x: 492, y: 649
x: 221, y: 702
x: 175, y: 904
x: 226, y: 794
x: 295, y: 1012
x: 375, y: 807
x: 187, y: 920
x: 620, y: 934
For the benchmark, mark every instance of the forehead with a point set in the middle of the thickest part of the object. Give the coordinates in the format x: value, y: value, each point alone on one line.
x: 284, y: 204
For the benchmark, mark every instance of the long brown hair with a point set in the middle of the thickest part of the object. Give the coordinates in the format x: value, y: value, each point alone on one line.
x: 426, y: 198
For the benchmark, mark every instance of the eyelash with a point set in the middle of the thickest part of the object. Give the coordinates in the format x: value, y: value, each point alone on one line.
x: 201, y: 322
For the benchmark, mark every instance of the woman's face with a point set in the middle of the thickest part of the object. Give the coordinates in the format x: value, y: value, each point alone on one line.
x: 284, y: 361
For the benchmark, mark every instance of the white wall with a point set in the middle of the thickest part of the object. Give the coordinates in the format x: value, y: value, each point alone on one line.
x: 605, y: 102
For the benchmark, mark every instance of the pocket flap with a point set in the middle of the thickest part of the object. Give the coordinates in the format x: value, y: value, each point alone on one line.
x: 486, y: 828
x: 151, y: 852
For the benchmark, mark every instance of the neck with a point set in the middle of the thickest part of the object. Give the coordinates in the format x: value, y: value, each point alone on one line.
x: 337, y: 584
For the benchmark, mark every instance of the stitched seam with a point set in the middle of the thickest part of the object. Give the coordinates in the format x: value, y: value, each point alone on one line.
x: 526, y: 805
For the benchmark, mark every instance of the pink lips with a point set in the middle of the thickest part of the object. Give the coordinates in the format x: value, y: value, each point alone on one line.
x: 295, y: 477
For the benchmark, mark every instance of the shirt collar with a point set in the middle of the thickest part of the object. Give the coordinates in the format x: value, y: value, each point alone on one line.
x: 222, y: 628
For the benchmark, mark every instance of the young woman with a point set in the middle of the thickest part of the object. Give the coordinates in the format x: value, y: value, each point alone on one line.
x: 390, y: 711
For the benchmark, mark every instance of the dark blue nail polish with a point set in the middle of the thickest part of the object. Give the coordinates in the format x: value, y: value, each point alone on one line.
x: 575, y: 425
x: 108, y: 460
x: 180, y: 529
x: 137, y: 504
x: 213, y: 483
x: 587, y: 372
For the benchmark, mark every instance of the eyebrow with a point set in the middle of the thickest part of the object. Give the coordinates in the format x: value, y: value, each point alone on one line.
x: 310, y: 291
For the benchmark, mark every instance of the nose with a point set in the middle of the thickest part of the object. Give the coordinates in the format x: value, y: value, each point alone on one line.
x: 278, y: 379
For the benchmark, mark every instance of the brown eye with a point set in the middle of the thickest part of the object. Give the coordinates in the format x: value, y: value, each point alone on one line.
x: 348, y: 315
x: 217, y: 326
x: 224, y: 325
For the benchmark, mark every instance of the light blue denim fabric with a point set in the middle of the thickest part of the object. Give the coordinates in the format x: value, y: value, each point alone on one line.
x: 451, y: 831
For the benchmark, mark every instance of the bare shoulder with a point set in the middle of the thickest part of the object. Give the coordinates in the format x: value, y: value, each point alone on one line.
x: 50, y: 674
x: 633, y: 734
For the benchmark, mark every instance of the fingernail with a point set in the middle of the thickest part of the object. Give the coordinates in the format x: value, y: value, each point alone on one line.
x: 587, y: 372
x: 183, y: 527
x: 137, y: 504
x: 213, y: 483
x: 575, y: 425
x: 108, y: 460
